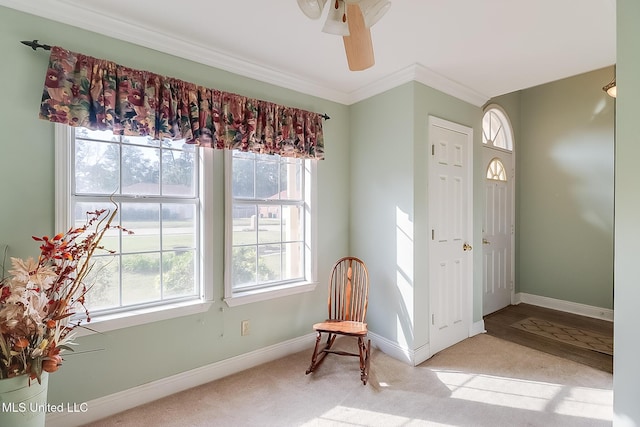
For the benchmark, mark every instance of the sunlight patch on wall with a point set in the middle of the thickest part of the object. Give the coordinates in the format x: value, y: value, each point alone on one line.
x: 588, y: 166
x: 404, y: 260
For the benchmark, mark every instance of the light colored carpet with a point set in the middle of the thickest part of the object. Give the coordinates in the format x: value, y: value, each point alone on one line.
x: 482, y: 381
x: 567, y: 334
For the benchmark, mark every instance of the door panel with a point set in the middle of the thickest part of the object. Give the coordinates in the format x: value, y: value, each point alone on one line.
x: 450, y: 205
x: 497, y: 235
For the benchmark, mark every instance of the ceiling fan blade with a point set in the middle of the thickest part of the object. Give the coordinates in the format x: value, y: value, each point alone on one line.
x: 358, y: 45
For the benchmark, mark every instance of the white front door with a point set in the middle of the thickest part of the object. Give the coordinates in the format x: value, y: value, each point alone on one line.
x: 497, y: 230
x: 450, y: 199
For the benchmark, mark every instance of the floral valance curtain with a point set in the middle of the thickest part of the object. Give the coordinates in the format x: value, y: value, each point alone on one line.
x: 100, y: 95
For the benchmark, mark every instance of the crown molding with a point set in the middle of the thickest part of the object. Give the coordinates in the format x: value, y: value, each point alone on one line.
x: 421, y: 74
x: 74, y: 13
x: 80, y: 16
x: 437, y: 81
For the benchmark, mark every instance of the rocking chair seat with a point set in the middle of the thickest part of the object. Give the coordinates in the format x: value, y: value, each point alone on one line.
x: 342, y: 327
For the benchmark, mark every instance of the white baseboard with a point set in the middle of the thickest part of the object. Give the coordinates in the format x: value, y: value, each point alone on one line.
x: 568, y: 306
x: 401, y: 353
x: 393, y: 349
x: 419, y: 355
x: 102, y: 407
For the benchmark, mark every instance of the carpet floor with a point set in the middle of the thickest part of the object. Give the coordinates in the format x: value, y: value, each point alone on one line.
x: 481, y: 381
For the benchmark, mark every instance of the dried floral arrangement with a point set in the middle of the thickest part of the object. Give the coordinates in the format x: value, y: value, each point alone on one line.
x: 42, y: 300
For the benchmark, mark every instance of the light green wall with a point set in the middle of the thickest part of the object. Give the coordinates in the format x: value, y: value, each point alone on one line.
x: 564, y: 171
x: 389, y: 204
x: 626, y: 378
x: 130, y: 357
x: 382, y: 135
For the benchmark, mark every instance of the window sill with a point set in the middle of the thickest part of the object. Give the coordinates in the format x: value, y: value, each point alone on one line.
x: 143, y: 316
x: 247, y: 297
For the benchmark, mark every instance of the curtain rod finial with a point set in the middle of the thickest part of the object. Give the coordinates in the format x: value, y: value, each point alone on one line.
x: 35, y: 45
x: 325, y: 116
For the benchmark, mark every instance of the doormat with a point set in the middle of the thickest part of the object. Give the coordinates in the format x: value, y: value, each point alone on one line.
x: 567, y: 334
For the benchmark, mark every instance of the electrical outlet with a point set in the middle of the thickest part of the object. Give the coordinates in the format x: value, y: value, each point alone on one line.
x: 244, y: 328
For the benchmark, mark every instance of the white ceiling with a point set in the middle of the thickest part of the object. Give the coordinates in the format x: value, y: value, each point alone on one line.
x: 472, y: 49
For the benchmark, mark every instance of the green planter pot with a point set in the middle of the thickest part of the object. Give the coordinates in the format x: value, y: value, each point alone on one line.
x: 22, y: 404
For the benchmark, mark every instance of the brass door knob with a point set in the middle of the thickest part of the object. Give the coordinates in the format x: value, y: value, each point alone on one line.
x: 485, y: 241
x: 466, y: 247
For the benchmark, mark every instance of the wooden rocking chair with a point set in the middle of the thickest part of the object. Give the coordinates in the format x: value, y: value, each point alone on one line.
x: 348, y: 300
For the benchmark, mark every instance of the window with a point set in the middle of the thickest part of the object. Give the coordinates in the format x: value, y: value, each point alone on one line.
x: 269, y: 226
x: 496, y: 130
x: 496, y: 171
x: 157, y: 187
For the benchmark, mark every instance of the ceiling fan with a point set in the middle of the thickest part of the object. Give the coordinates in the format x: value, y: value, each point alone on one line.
x: 351, y: 19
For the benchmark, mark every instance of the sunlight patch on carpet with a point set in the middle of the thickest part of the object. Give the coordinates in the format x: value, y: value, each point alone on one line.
x: 581, y: 402
x: 567, y: 334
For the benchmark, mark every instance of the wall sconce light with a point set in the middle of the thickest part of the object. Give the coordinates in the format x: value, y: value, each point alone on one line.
x: 611, y: 88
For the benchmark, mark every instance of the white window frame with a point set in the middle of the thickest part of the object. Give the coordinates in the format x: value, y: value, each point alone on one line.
x: 234, y: 298
x: 505, y: 125
x: 64, y: 138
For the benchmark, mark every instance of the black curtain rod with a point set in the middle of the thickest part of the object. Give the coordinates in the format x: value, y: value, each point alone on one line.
x: 35, y: 45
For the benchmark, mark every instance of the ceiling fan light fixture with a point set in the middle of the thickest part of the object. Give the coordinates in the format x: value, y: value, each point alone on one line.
x: 373, y: 10
x: 335, y: 24
x: 312, y: 8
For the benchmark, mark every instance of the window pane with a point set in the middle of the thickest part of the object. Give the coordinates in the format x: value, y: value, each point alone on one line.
x: 140, y: 170
x: 244, y: 266
x: 178, y: 174
x: 496, y: 126
x: 140, y: 278
x: 111, y: 238
x: 292, y: 223
x: 268, y: 227
x: 269, y: 261
x: 243, y: 178
x: 267, y: 178
x: 499, y: 140
x: 159, y: 260
x: 103, y: 280
x: 143, y: 219
x: 178, y: 226
x: 291, y: 180
x: 293, y: 261
x: 244, y: 225
x: 97, y: 167
x: 178, y: 273
x: 269, y: 224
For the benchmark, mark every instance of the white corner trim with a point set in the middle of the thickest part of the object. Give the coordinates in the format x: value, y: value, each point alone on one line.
x: 477, y: 328
x: 108, y: 405
x: 401, y: 353
x: 567, y: 306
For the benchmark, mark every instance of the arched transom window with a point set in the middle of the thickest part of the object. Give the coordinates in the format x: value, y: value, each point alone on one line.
x: 496, y: 170
x: 496, y: 130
